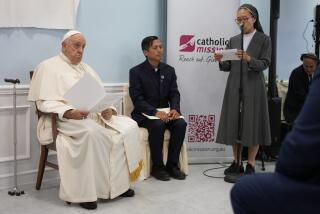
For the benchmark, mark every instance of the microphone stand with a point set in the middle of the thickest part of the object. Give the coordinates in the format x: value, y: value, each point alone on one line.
x: 233, y: 177
x: 15, y: 190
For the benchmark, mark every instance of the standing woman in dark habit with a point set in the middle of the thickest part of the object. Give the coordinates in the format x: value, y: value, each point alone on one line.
x: 256, y: 56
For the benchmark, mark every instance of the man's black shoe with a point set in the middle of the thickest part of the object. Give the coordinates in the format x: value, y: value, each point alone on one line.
x: 89, y: 205
x: 160, y: 173
x: 128, y: 193
x: 249, y: 169
x: 176, y: 173
x: 232, y: 169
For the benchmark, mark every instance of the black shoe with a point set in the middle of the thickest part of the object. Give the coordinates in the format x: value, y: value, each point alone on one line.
x: 89, y: 205
x: 176, y: 173
x: 249, y: 169
x: 160, y: 173
x: 233, y: 168
x: 128, y: 193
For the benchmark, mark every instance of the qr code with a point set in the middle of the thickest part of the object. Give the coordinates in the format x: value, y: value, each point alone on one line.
x: 201, y: 128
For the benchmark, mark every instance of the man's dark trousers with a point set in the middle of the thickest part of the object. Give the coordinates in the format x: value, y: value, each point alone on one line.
x: 156, y: 129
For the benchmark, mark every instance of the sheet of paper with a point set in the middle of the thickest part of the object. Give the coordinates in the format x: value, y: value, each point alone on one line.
x: 228, y: 54
x: 108, y: 100
x: 87, y: 94
x: 166, y: 110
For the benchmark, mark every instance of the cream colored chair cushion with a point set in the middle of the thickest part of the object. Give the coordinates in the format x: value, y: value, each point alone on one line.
x: 183, y: 159
x: 282, y: 92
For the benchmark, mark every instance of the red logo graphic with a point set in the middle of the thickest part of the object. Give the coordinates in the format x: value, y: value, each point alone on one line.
x: 187, y: 43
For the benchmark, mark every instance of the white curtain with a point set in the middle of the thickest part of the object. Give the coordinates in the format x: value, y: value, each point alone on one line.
x: 52, y: 14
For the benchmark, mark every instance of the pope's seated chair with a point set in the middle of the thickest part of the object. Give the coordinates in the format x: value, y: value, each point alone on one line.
x: 44, y: 149
x: 183, y: 159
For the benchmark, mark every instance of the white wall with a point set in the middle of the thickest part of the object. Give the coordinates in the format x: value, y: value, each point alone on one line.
x: 113, y: 28
x: 27, y: 148
x: 27, y: 144
x: 294, y: 16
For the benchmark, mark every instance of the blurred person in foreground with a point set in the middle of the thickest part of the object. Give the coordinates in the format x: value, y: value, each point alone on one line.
x: 294, y: 187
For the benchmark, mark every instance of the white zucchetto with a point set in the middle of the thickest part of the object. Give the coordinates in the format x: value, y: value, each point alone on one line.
x: 70, y: 33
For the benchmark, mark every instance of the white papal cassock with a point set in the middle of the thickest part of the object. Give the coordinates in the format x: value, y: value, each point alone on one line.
x: 97, y: 158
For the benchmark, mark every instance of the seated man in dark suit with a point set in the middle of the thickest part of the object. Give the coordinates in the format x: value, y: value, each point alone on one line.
x: 295, y: 186
x: 299, y: 81
x: 153, y: 87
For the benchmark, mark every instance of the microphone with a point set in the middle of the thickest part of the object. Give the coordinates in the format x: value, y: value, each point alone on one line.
x: 241, y: 25
x: 12, y: 81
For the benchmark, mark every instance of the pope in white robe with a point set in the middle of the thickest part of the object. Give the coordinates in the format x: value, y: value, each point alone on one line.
x: 98, y: 154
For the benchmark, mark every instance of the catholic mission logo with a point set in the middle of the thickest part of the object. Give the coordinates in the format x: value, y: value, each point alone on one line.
x: 191, y: 43
x: 187, y: 43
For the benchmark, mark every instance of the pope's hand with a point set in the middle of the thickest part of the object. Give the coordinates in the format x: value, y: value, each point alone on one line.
x: 75, y: 114
x: 107, y: 114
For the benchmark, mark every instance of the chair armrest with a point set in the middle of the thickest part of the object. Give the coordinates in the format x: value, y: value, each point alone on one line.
x: 53, y: 117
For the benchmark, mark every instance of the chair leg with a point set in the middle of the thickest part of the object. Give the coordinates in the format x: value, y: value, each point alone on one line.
x: 42, y: 163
